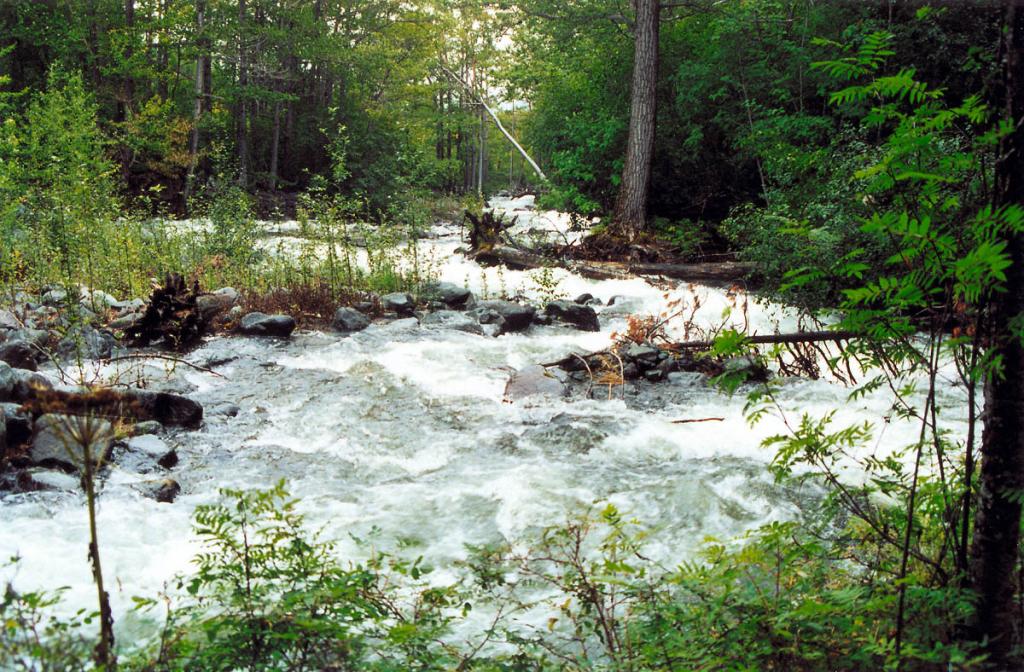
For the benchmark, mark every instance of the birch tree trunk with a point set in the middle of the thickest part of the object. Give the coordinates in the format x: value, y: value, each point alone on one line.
x: 994, y: 551
x: 630, y: 217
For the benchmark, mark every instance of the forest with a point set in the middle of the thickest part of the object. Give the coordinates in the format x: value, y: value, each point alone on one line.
x: 380, y: 335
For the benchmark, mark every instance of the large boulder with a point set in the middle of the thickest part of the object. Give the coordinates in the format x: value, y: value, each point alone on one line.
x: 260, y: 324
x: 348, y: 320
x: 165, y: 408
x: 451, y: 295
x: 534, y: 381
x: 578, y: 315
x: 512, y: 317
x: 398, y: 302
x: 450, y: 319
x: 58, y: 440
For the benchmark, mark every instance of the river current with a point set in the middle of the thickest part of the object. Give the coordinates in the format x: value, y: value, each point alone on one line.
x: 401, y: 432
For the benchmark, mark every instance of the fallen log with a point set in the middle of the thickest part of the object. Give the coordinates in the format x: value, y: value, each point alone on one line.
x: 719, y: 272
x: 773, y: 339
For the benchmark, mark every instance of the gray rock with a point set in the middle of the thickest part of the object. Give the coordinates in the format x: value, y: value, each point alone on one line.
x: 643, y: 355
x: 126, y: 321
x: 19, y: 354
x: 534, y: 381
x: 3, y: 432
x: 450, y: 319
x: 260, y: 324
x: 148, y: 444
x: 133, y: 306
x: 348, y: 320
x: 226, y: 409
x: 568, y: 312
x: 27, y: 382
x: 55, y: 297
x: 513, y: 316
x: 8, y: 321
x: 451, y: 295
x: 584, y: 299
x: 363, y: 306
x: 98, y: 301
x: 165, y: 490
x: 56, y: 440
x: 37, y: 337
x: 212, y: 304
x: 8, y: 380
x: 398, y: 302
x: 87, y: 343
x: 52, y: 479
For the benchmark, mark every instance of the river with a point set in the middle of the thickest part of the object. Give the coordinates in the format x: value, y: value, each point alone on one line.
x: 401, y: 432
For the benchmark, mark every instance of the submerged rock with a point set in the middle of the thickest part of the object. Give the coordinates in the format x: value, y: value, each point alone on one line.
x: 261, y: 324
x: 578, y: 315
x: 348, y: 320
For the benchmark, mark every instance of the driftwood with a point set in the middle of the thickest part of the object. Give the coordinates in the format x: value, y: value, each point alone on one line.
x: 719, y: 272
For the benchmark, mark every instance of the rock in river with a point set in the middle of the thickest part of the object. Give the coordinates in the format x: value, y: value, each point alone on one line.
x: 576, y: 314
x: 59, y: 438
x: 534, y: 381
x: 260, y: 324
x: 348, y: 320
x: 511, y: 316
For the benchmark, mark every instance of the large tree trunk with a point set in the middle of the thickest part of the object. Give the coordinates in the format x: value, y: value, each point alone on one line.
x: 199, y: 92
x: 242, y: 129
x: 994, y: 552
x: 630, y: 217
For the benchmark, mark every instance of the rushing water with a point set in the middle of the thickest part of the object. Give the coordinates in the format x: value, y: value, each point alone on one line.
x: 403, y: 429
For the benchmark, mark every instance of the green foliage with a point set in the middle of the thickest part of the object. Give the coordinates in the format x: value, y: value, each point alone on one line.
x: 32, y: 639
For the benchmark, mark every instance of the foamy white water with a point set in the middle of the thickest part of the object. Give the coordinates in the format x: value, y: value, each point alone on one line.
x: 404, y: 429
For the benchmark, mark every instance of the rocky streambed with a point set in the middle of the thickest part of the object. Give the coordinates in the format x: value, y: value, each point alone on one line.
x: 426, y: 430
